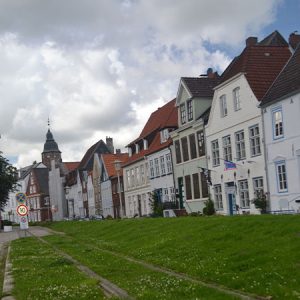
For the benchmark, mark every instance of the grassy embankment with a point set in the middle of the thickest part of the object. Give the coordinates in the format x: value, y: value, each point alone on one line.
x: 256, y: 254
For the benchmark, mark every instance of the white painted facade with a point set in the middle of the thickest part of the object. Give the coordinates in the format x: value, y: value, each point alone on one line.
x: 137, y: 189
x: 242, y: 118
x: 106, y: 195
x: 90, y: 196
x: 160, y: 170
x: 283, y: 149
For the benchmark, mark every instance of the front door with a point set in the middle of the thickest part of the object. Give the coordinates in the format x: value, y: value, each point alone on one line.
x: 230, y: 194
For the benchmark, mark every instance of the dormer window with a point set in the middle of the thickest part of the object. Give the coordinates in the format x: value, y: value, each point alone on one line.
x: 223, y: 106
x: 189, y: 110
x: 137, y: 148
x: 183, y: 114
x: 164, y: 135
x: 129, y: 151
x: 145, y: 144
x: 236, y: 99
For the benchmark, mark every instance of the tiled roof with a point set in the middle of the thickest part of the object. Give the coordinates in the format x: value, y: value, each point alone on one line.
x: 260, y: 64
x: 274, y: 39
x: 70, y: 166
x: 88, y: 159
x: 109, y: 160
x: 287, y: 82
x: 201, y: 86
x: 163, y: 117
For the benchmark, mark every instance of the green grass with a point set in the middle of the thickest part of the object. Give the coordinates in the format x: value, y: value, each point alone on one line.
x: 257, y: 254
x: 40, y: 273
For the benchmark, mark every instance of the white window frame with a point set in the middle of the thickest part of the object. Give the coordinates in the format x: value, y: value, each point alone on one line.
x: 258, y: 186
x: 236, y: 99
x: 215, y: 153
x: 162, y: 165
x: 151, y: 164
x: 182, y: 113
x: 240, y: 145
x: 244, y: 193
x: 227, y: 152
x: 254, y: 140
x: 281, y: 175
x: 156, y: 167
x: 189, y: 105
x: 218, y: 197
x: 277, y: 123
x: 169, y: 163
x: 223, y: 106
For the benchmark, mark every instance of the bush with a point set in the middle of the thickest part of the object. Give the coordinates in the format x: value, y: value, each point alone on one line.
x: 260, y: 202
x: 209, y: 208
x: 7, y: 223
x: 156, y: 205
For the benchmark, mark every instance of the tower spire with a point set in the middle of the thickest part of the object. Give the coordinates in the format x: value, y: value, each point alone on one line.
x: 48, y: 123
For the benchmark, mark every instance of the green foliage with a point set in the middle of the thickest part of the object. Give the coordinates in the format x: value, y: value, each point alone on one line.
x: 209, y: 208
x: 156, y: 205
x: 260, y: 201
x: 7, y: 223
x: 8, y: 180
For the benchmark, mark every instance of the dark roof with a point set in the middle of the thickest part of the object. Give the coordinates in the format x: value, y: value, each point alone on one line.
x: 50, y: 144
x: 260, y: 64
x: 88, y: 158
x: 201, y: 86
x: 287, y: 82
x: 274, y: 39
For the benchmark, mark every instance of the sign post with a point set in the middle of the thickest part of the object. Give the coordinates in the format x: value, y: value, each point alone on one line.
x: 22, y: 211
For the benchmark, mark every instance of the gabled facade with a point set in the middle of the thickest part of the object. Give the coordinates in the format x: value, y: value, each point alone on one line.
x: 234, y: 132
x: 280, y: 110
x: 149, y: 167
x: 193, y: 103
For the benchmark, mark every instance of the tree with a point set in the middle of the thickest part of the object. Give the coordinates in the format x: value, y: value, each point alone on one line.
x: 8, y: 180
x: 260, y: 201
x: 209, y: 208
x: 156, y: 205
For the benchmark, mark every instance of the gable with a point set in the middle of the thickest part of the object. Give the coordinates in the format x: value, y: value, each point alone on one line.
x: 183, y: 94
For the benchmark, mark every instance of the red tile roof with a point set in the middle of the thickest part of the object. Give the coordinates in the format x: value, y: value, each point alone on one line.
x: 164, y: 117
x: 260, y: 64
x: 287, y: 82
x: 109, y: 160
x: 70, y: 166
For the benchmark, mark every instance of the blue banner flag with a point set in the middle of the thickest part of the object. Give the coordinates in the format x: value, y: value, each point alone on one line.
x: 229, y: 165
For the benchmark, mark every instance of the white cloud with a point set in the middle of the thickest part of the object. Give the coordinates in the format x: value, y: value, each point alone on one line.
x: 99, y: 68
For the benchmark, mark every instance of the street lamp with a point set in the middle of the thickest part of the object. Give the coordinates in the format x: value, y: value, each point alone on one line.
x: 117, y: 164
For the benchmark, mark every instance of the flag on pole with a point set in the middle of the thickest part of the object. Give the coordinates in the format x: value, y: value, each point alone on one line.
x: 229, y: 165
x: 206, y: 173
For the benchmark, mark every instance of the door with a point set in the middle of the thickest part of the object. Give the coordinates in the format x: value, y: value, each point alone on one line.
x: 230, y: 192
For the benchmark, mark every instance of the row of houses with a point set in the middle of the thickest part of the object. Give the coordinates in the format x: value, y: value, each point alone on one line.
x: 227, y: 137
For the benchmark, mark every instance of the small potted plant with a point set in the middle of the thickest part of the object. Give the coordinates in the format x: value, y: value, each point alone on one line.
x: 7, y: 226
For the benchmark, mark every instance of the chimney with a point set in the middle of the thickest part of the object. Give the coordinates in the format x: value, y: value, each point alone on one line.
x: 118, y: 151
x: 110, y: 144
x: 251, y: 41
x: 294, y: 39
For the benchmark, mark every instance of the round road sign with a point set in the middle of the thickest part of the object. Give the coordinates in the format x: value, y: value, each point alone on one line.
x: 21, y: 197
x: 22, y: 210
x: 23, y: 220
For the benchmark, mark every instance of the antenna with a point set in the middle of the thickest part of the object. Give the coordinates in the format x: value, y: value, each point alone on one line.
x: 48, y: 123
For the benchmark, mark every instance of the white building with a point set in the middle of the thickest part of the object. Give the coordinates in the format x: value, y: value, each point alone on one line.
x: 281, y: 111
x: 234, y: 130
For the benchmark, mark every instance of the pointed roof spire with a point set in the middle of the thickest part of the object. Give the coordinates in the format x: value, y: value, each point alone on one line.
x: 50, y: 144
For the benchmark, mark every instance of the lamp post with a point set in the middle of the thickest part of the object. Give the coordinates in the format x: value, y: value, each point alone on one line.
x: 117, y: 164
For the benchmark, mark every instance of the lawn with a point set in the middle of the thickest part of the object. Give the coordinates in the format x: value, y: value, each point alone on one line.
x: 256, y: 254
x: 40, y: 273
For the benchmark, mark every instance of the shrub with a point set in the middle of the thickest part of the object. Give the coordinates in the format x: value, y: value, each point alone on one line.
x: 7, y: 223
x: 156, y: 205
x: 260, y: 201
x: 209, y: 208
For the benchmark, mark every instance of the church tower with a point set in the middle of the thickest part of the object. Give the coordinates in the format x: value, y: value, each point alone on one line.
x: 51, y: 151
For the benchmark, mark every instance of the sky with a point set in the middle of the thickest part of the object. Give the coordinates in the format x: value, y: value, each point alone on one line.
x: 98, y: 68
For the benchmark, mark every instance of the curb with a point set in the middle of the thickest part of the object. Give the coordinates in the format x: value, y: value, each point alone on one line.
x: 8, y: 282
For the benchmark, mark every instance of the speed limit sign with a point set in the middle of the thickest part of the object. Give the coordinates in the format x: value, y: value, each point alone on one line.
x: 22, y: 210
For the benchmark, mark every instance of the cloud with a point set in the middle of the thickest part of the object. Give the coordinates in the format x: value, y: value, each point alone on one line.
x: 99, y: 68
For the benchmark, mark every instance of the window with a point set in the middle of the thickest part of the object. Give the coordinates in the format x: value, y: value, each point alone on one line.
x: 244, y: 194
x: 182, y: 114
x: 178, y: 152
x: 156, y: 166
x: 196, y: 186
x: 236, y: 99
x: 132, y: 178
x: 137, y: 175
x: 215, y: 153
x: 151, y: 168
x: 189, y: 110
x: 281, y: 176
x: 193, y: 148
x: 128, y: 178
x: 164, y: 135
x: 169, y: 163
x: 142, y: 171
x: 277, y: 123
x: 240, y: 145
x: 258, y: 186
x: 254, y: 140
x: 185, y: 150
x: 223, y: 106
x: 201, y: 143
x: 188, y: 189
x: 204, y: 185
x: 227, y: 148
x: 162, y: 165
x: 218, y: 197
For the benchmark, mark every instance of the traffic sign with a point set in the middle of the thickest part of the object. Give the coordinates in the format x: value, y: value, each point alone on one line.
x: 22, y: 210
x: 21, y: 198
x: 24, y: 223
